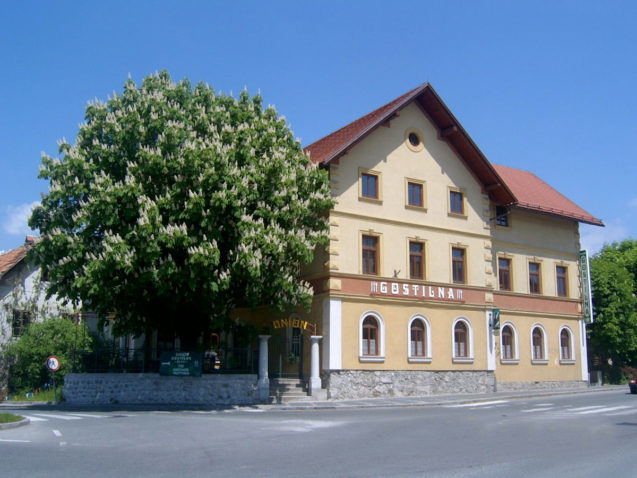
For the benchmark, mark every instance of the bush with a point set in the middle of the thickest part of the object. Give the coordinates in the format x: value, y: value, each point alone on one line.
x: 27, y: 356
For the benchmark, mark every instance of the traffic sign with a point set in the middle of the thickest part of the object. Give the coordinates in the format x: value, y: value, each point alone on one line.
x: 53, y: 363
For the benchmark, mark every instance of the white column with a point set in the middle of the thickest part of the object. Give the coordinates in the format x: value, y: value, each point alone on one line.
x: 491, y: 355
x: 583, y: 352
x: 263, y: 384
x: 332, y: 323
x: 315, y: 379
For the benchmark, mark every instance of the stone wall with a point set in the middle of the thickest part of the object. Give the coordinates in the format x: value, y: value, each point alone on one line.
x: 517, y: 386
x: 148, y: 388
x: 353, y: 384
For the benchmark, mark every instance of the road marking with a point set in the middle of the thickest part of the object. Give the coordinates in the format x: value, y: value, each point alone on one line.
x: 6, y: 440
x: 625, y: 412
x: 36, y: 419
x: 477, y: 404
x: 57, y: 433
x: 87, y: 415
x: 60, y: 417
x: 579, y: 409
x: 536, y: 409
x: 304, y: 426
x: 603, y: 410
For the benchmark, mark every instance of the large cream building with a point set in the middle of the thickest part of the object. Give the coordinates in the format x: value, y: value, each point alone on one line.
x: 428, y: 242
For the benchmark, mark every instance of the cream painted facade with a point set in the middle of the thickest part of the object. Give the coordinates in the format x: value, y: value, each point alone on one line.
x: 345, y: 295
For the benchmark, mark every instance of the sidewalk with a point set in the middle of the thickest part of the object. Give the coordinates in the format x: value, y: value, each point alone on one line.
x: 429, y: 400
x: 433, y: 400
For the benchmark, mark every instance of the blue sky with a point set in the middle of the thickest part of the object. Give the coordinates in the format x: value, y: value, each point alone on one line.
x: 545, y: 86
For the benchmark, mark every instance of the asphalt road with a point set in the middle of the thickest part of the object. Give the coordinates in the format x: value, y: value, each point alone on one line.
x: 591, y: 434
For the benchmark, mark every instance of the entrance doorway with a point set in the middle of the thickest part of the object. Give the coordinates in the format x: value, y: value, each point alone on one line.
x: 286, y: 357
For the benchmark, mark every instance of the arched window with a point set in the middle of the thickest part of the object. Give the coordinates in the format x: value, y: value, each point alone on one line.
x: 538, y: 351
x: 418, y: 340
x: 460, y: 340
x: 566, y: 352
x: 370, y: 336
x: 507, y: 344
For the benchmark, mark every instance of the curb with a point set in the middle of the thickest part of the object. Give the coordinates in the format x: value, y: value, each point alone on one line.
x: 428, y: 400
x: 21, y: 423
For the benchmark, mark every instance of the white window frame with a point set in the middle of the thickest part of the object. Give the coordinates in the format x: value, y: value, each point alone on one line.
x: 470, y: 355
x: 427, y: 357
x: 571, y: 337
x: 545, y: 346
x: 516, y: 347
x: 380, y: 358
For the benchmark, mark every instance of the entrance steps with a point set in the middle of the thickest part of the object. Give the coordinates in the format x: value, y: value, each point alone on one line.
x: 283, y: 390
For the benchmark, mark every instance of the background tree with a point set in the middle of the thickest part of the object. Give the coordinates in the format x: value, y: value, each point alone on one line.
x: 27, y: 356
x: 175, y: 205
x: 613, y: 335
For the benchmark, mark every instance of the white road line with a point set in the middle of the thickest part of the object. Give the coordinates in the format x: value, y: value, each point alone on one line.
x: 87, y: 415
x: 625, y: 412
x: 6, y: 440
x: 59, y: 417
x: 36, y: 419
x: 479, y: 404
x: 57, y: 433
x: 536, y: 410
x: 604, y: 410
x: 579, y: 409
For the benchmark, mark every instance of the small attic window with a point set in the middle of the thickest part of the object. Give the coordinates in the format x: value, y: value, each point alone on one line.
x: 413, y: 139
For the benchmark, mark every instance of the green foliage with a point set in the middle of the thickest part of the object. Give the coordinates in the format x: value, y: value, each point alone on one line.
x: 27, y: 356
x: 613, y: 335
x: 176, y: 205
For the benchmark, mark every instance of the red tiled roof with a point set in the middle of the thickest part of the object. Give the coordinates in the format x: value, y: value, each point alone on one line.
x: 10, y: 259
x: 535, y: 195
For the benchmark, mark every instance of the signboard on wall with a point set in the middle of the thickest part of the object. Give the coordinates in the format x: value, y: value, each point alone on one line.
x: 182, y: 364
x: 585, y: 284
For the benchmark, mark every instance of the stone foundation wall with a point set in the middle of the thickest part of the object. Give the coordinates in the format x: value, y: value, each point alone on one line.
x: 148, y: 388
x: 517, y: 386
x: 353, y: 384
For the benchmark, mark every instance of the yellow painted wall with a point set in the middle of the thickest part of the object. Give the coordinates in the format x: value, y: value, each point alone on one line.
x: 385, y: 152
x: 396, y: 316
x: 546, y: 240
x: 525, y: 370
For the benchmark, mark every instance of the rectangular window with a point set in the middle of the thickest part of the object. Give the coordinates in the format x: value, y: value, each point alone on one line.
x: 20, y: 320
x: 456, y: 202
x: 504, y: 273
x: 415, y: 196
x: 416, y: 260
x: 370, y: 255
x: 458, y: 265
x: 534, y: 278
x: 502, y: 216
x: 562, y: 281
x: 369, y: 185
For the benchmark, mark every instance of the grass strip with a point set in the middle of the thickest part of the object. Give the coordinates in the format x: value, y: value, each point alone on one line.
x: 9, y: 418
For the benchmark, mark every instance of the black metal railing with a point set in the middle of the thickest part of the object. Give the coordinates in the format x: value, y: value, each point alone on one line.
x: 138, y: 360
